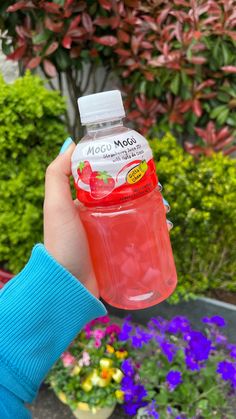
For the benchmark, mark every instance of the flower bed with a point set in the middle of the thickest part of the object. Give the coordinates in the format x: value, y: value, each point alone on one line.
x: 168, y: 368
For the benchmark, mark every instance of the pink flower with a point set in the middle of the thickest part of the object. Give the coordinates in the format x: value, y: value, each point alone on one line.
x: 103, y: 320
x: 87, y: 331
x: 85, y: 360
x: 98, y: 334
x: 97, y: 343
x: 67, y: 359
x: 112, y: 339
x: 112, y: 328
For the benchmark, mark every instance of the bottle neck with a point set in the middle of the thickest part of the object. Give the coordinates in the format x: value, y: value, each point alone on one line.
x: 102, y: 126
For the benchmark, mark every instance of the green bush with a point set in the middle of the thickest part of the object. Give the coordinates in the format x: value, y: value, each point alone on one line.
x: 31, y: 133
x: 202, y: 195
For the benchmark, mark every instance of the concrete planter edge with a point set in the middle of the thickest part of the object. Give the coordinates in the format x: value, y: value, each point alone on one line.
x: 195, y: 310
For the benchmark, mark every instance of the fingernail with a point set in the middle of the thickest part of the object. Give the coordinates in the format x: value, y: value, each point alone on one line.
x: 166, y: 203
x: 66, y: 144
x: 160, y: 186
x: 170, y: 224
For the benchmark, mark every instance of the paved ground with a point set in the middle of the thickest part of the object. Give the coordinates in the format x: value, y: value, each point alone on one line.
x: 47, y: 406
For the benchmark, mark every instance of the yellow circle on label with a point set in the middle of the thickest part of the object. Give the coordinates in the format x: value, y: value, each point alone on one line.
x: 135, y: 174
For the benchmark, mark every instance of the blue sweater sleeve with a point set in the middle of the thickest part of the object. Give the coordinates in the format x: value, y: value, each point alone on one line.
x: 42, y: 310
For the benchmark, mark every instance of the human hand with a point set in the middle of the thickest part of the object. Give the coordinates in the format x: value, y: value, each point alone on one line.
x: 64, y: 235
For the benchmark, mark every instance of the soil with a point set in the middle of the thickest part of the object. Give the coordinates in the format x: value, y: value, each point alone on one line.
x: 226, y: 296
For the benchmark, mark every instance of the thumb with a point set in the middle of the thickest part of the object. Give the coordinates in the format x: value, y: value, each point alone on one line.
x: 57, y: 181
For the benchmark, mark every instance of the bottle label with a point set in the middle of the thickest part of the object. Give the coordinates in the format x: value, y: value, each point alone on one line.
x: 113, y: 170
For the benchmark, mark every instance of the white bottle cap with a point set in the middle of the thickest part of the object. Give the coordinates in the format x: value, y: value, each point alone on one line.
x: 101, y: 107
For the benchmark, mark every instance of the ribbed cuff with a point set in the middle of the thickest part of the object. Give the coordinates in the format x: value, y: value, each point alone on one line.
x: 11, y: 407
x: 42, y: 310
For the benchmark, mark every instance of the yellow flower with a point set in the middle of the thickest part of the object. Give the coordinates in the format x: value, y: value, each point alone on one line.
x: 117, y: 375
x: 119, y: 395
x: 121, y: 354
x: 62, y: 397
x: 94, y: 377
x: 76, y: 370
x: 110, y: 349
x: 104, y: 382
x: 87, y: 385
x: 106, y: 372
x: 83, y: 406
x: 105, y: 362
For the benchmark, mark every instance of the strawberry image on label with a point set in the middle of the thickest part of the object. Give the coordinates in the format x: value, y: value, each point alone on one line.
x: 84, y: 171
x: 101, y: 184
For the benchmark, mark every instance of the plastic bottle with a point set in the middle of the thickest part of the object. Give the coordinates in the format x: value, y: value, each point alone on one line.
x: 121, y: 207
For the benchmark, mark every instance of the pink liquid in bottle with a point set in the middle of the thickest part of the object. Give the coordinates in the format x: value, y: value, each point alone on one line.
x: 121, y: 207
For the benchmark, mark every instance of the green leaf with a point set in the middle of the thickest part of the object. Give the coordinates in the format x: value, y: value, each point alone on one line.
x: 217, y: 111
x: 62, y: 59
x: 185, y: 79
x: 157, y: 89
x: 202, y: 404
x: 142, y: 88
x: 226, y: 53
x: 6, y: 47
x: 41, y: 37
x: 189, y: 54
x: 216, y: 49
x: 85, y: 54
x: 223, y: 97
x: 174, y: 86
x: 221, y: 118
x: 231, y: 120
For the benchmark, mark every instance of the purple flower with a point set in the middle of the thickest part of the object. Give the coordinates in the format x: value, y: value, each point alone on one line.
x: 168, y: 348
x: 151, y: 410
x: 125, y: 331
x: 227, y: 370
x: 159, y: 323
x: 132, y: 408
x: 220, y: 339
x: 215, y: 320
x: 140, y: 392
x: 233, y: 380
x: 232, y: 349
x: 191, y: 363
x: 198, y: 349
x: 169, y: 410
x: 140, y: 338
x: 127, y: 367
x: 173, y: 379
x: 127, y: 385
x: 137, y: 342
x: 178, y: 324
x: 146, y: 337
x: 133, y: 395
